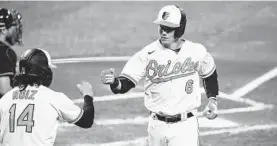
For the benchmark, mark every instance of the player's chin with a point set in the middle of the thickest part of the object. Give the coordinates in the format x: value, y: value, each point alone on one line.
x: 165, y: 41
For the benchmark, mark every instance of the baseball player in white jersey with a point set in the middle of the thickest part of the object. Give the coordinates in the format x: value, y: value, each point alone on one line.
x: 31, y: 111
x: 172, y: 68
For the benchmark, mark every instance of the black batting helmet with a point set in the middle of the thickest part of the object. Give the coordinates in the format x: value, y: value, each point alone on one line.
x: 174, y: 17
x: 9, y: 18
x: 36, y: 63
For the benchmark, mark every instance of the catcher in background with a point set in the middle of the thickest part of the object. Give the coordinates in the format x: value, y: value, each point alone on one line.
x: 172, y: 68
x: 29, y: 113
x: 10, y: 34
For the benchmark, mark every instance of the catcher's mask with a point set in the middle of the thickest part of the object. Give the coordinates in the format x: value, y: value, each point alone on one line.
x: 172, y: 17
x: 37, y: 63
x: 9, y: 18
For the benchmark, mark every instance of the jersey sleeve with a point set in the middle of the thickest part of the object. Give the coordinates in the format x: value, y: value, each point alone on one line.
x: 134, y: 69
x: 66, y: 109
x: 8, y: 60
x: 206, y: 64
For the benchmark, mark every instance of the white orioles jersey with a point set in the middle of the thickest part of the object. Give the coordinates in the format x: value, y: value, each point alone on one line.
x: 31, y: 117
x: 171, y: 80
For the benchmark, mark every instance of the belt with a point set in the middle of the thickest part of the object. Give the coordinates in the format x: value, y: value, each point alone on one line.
x: 172, y: 119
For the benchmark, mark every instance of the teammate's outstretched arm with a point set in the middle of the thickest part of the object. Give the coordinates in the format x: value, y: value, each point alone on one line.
x: 117, y: 84
x: 87, y: 117
x: 73, y: 114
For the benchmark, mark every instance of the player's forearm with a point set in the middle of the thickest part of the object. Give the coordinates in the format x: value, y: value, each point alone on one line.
x: 121, y: 85
x: 211, y: 85
x: 87, y: 118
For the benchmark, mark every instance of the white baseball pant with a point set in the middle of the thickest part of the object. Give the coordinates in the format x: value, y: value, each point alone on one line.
x: 182, y: 133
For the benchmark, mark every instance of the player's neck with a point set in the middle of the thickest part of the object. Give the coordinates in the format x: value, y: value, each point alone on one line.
x: 175, y: 45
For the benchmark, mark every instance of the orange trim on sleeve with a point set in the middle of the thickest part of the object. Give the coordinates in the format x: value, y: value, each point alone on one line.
x: 77, y: 118
x: 129, y: 77
x: 210, y: 73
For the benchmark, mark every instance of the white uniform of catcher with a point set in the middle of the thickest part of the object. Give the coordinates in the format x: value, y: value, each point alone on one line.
x: 171, y: 73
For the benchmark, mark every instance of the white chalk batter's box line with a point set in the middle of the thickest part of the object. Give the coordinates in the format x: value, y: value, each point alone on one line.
x: 144, y: 120
x: 203, y: 123
x: 230, y: 131
x: 141, y: 95
x: 253, y: 105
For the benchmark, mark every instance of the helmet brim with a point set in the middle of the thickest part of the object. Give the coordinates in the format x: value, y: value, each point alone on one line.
x: 166, y: 23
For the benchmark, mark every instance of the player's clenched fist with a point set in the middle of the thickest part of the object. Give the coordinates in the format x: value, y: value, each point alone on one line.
x: 107, y: 76
x: 210, y: 111
x: 85, y: 88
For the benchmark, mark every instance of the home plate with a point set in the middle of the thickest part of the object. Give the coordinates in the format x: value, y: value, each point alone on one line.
x: 203, y: 122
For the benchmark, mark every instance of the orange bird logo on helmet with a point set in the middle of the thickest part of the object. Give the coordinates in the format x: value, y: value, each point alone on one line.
x: 165, y: 15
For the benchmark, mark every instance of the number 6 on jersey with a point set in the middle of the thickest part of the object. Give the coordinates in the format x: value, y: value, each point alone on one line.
x: 189, y: 86
x: 24, y: 119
